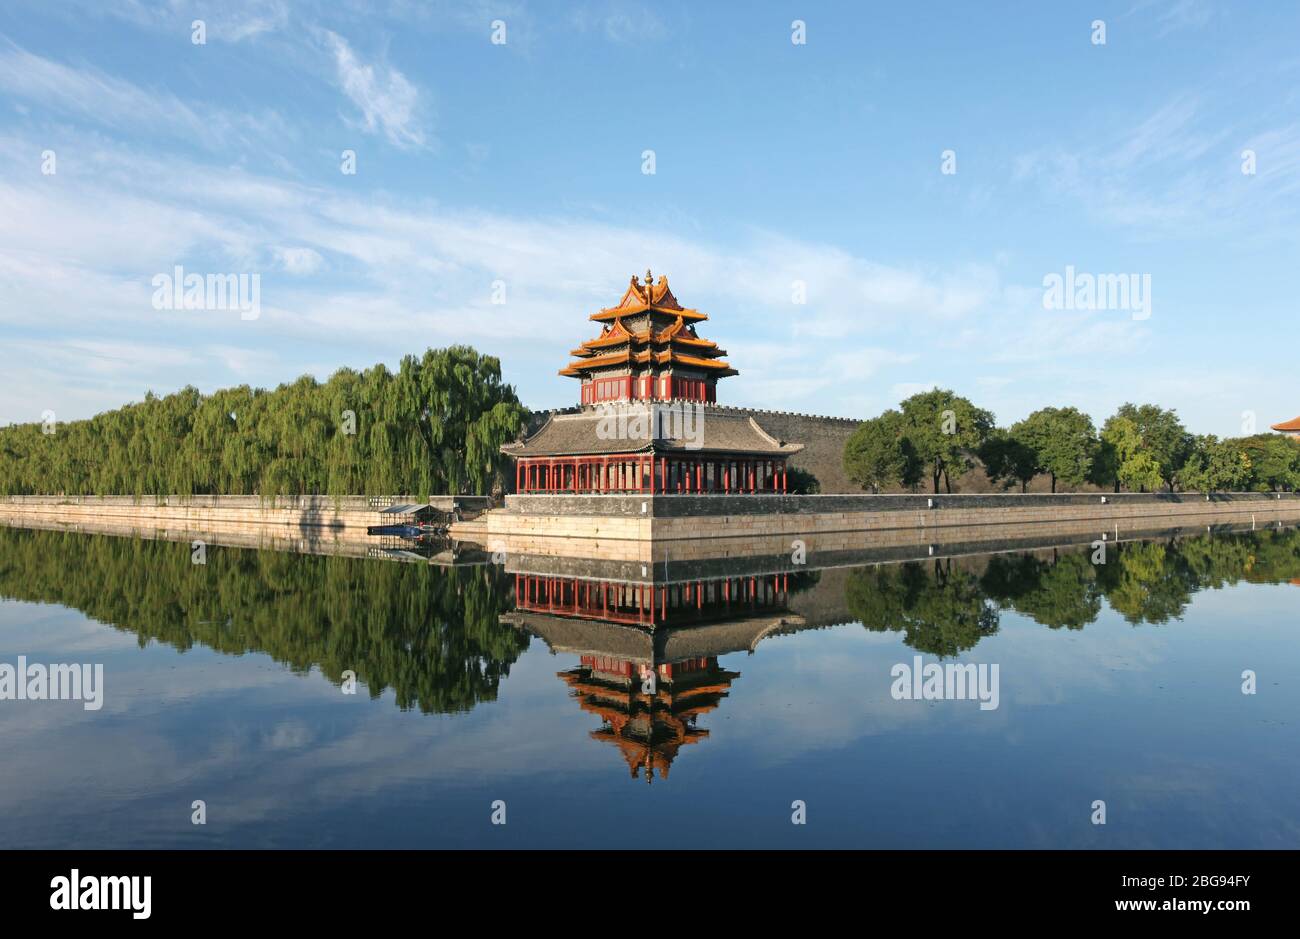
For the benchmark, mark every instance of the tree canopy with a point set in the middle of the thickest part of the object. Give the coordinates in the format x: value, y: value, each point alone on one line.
x: 1064, y: 441
x: 1141, y: 448
x: 434, y: 427
x: 879, y: 453
x: 946, y: 431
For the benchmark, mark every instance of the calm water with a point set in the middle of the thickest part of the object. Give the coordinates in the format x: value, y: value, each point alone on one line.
x: 1119, y: 682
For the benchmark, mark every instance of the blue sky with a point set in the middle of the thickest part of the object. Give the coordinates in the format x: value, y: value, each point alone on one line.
x: 775, y: 163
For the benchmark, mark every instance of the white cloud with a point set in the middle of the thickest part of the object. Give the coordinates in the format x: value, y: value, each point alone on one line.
x: 299, y: 260
x: 89, y: 94
x: 387, y: 100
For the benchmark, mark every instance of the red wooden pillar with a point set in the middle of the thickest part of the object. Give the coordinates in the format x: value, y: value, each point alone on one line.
x: 699, y: 476
x: 783, y: 479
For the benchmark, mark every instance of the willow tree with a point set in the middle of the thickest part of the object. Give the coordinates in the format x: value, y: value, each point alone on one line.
x: 434, y: 427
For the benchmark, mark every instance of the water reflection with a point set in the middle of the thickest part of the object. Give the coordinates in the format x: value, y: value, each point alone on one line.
x: 444, y: 637
x: 648, y: 651
x: 734, y: 686
x: 434, y: 637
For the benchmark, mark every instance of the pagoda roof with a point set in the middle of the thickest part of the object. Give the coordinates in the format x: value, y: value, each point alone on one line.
x: 1291, y: 426
x: 646, y: 298
x: 666, y: 645
x: 648, y: 357
x: 580, y: 434
x: 669, y: 338
x: 617, y: 334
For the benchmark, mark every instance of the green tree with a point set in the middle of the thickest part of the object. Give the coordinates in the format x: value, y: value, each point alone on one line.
x: 1274, y: 461
x: 877, y: 454
x: 434, y: 427
x: 1007, y: 459
x: 1162, y: 437
x: 1064, y: 440
x: 946, y: 432
x: 1216, y: 465
x: 1129, y: 463
x: 800, y: 481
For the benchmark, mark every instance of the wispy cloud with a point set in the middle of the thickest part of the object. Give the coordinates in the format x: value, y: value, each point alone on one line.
x: 620, y: 21
x: 1176, y: 173
x: 388, y: 101
x: 87, y: 93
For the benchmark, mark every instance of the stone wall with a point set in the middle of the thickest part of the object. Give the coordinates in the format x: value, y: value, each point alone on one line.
x: 984, y: 508
x: 823, y: 439
x: 654, y: 528
x: 253, y: 514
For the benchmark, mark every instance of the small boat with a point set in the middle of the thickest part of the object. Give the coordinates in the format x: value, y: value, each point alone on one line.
x: 401, y: 531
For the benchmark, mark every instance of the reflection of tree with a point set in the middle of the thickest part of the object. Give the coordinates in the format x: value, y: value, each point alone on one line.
x: 939, y: 609
x: 945, y: 611
x: 433, y: 635
x: 1061, y: 592
x: 1147, y: 582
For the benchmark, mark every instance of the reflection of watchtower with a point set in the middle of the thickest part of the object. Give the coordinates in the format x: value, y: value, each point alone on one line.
x: 652, y: 605
x: 648, y: 712
x: 648, y: 651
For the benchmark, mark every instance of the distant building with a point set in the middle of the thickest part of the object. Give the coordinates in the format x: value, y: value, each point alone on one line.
x: 648, y: 421
x: 1291, y: 428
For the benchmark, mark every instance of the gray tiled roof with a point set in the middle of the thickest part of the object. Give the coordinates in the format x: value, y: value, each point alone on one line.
x: 708, y: 430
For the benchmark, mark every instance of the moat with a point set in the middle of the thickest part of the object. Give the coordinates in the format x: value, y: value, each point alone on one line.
x: 688, y: 706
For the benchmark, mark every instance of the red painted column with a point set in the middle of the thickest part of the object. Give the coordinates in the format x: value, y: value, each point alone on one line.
x: 699, y: 476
